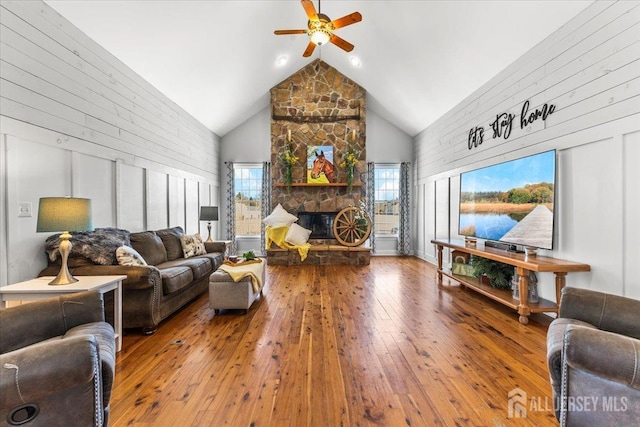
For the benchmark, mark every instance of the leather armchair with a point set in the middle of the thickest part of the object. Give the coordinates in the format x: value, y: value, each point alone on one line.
x: 593, y: 353
x: 57, y: 362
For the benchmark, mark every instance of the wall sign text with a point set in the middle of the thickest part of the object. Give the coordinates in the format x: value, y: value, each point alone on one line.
x: 503, y: 124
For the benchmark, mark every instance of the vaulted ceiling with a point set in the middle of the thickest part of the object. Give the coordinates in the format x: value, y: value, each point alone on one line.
x: 218, y: 59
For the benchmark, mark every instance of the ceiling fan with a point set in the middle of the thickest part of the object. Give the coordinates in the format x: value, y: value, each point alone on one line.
x: 320, y: 28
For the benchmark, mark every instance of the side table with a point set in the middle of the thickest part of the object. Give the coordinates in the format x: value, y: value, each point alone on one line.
x: 39, y: 288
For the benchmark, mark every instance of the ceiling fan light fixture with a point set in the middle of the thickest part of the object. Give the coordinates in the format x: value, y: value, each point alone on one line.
x: 319, y: 36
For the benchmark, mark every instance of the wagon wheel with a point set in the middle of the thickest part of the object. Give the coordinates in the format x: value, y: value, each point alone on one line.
x: 348, y: 230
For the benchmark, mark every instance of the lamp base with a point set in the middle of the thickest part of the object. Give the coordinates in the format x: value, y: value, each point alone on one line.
x: 64, y: 277
x: 209, y: 228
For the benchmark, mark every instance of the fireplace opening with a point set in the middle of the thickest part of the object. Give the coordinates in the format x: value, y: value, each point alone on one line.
x: 320, y: 223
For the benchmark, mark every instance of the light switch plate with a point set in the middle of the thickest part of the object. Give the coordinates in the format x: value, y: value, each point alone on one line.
x: 24, y: 209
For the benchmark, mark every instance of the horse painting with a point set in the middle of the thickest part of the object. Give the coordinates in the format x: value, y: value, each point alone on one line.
x: 322, y: 165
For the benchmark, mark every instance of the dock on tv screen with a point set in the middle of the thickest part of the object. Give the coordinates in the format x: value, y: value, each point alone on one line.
x: 510, y: 202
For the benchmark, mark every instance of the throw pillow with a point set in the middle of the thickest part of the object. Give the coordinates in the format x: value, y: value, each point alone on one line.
x: 192, y: 245
x: 297, y: 235
x: 128, y: 256
x: 280, y: 217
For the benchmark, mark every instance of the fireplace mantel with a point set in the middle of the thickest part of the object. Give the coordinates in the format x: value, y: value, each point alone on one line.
x: 331, y: 184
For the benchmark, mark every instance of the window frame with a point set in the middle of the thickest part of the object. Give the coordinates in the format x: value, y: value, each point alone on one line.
x: 257, y: 187
x: 396, y: 168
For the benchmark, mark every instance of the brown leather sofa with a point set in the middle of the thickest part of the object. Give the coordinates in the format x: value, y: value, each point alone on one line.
x: 593, y: 353
x: 57, y: 362
x: 152, y: 293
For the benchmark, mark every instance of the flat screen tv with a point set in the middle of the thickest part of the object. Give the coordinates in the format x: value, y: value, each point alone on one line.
x: 510, y: 202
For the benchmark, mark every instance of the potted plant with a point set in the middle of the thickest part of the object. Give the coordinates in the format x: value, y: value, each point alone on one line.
x: 498, y: 273
x: 249, y: 255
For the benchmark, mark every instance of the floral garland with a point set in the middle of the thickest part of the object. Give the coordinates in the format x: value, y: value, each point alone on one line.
x: 349, y: 162
x: 289, y: 159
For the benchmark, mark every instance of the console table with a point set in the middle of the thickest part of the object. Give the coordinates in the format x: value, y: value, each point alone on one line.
x: 523, y: 264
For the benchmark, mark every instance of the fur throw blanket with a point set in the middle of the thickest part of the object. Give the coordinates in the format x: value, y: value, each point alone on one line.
x: 99, y: 245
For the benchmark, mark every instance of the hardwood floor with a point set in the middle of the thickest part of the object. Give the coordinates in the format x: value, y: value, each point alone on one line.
x: 338, y: 346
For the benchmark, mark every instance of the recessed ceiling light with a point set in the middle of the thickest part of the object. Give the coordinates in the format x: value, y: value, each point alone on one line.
x: 282, y: 60
x: 354, y: 61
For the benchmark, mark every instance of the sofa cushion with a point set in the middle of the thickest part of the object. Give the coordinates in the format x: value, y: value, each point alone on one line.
x: 171, y: 240
x: 216, y: 259
x: 150, y: 246
x: 200, y: 267
x: 175, y: 278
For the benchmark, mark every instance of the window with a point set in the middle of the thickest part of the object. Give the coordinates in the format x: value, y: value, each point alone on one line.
x: 386, y: 206
x: 247, y: 182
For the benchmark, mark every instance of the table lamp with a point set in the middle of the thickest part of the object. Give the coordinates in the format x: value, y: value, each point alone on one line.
x: 64, y: 214
x: 209, y: 213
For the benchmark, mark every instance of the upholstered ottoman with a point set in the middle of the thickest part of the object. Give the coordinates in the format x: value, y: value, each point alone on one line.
x: 225, y: 294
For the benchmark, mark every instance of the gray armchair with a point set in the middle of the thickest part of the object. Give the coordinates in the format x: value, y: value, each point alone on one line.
x: 593, y: 353
x: 57, y: 362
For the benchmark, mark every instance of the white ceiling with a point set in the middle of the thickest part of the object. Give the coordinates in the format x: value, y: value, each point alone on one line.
x: 217, y: 58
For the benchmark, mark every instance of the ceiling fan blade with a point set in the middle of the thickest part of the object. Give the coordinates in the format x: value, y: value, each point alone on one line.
x: 347, y: 20
x: 309, y: 50
x: 284, y: 32
x: 341, y: 43
x: 310, y: 9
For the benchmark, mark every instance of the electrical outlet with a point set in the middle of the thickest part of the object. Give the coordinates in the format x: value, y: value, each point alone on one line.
x: 24, y: 209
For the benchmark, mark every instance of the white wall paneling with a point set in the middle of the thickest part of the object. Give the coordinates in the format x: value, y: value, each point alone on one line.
x: 94, y: 178
x: 430, y: 219
x: 89, y: 126
x: 442, y: 209
x: 631, y: 214
x: 589, y: 70
x: 4, y: 269
x: 130, y: 201
x: 191, y: 207
x: 176, y: 201
x: 157, y: 200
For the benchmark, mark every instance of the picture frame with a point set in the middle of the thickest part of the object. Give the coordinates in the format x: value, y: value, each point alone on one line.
x: 320, y: 166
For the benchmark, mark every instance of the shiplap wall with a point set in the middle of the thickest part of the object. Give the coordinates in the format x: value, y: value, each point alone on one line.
x: 76, y: 121
x: 589, y: 69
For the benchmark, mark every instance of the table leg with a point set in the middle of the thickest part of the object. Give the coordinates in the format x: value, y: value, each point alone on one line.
x: 117, y: 314
x: 439, y: 265
x: 561, y: 280
x: 523, y: 306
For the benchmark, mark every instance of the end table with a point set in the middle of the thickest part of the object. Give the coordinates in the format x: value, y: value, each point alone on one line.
x: 39, y: 288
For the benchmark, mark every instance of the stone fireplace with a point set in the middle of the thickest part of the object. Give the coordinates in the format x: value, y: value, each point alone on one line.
x: 319, y: 106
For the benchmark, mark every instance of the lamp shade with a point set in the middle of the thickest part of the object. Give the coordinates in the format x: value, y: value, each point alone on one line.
x: 208, y: 213
x: 64, y: 214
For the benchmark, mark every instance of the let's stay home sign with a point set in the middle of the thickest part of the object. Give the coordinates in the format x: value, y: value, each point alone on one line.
x: 503, y: 124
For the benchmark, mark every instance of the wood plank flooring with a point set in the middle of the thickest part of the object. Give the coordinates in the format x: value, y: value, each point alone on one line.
x: 375, y: 345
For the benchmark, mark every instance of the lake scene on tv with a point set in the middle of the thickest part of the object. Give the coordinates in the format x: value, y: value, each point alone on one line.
x: 510, y: 202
